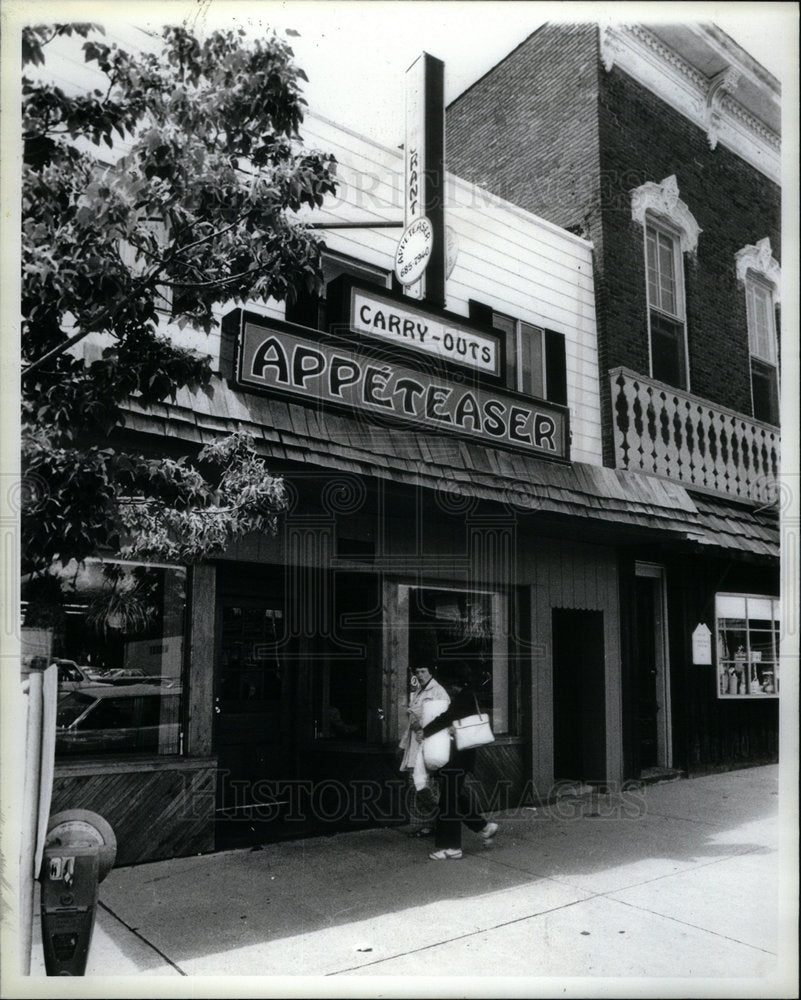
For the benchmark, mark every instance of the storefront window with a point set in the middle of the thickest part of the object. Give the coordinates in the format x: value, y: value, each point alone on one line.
x: 116, y: 632
x: 455, y: 626
x: 346, y: 665
x: 747, y: 645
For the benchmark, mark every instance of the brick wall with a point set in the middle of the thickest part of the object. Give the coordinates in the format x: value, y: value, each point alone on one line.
x: 551, y: 130
x: 528, y: 131
x: 509, y: 134
x: 644, y: 139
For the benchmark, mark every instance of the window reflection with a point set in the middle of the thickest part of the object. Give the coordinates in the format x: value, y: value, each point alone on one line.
x: 115, y: 630
x: 457, y: 626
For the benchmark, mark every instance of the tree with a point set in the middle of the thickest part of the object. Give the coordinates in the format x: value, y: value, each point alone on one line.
x: 167, y: 191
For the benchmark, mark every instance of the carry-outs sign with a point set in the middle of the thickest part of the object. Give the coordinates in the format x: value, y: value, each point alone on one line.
x: 408, y: 327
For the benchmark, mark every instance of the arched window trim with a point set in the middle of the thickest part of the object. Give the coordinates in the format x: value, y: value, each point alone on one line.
x: 662, y: 201
x: 759, y: 259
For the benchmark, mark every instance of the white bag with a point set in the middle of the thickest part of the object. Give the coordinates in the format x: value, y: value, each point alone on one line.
x: 436, y: 748
x: 473, y: 731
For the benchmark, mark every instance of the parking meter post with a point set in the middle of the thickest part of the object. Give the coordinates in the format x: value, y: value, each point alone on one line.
x: 70, y: 877
x: 80, y: 850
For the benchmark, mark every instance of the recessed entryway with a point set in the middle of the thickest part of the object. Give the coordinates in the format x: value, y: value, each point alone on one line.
x: 579, y: 695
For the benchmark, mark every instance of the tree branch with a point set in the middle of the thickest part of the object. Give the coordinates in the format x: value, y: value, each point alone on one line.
x: 204, y: 239
x: 217, y: 283
x: 92, y: 325
x: 55, y: 352
x: 155, y: 502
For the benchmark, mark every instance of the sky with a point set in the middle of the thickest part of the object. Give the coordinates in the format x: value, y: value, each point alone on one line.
x: 355, y: 52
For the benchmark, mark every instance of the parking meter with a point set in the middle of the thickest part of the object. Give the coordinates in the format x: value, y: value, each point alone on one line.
x: 80, y: 850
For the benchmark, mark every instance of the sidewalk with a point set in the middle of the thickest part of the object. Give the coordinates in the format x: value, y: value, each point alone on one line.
x: 679, y: 879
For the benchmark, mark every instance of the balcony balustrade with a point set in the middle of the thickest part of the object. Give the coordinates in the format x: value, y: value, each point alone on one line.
x: 667, y: 432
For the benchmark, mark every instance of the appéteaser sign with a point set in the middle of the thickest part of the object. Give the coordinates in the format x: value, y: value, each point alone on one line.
x: 333, y: 373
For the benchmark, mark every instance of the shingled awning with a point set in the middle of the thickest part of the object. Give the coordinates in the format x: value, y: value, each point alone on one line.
x: 299, y: 433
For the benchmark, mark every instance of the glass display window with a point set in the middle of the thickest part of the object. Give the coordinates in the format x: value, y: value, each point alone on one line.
x: 116, y: 632
x: 747, y: 645
x: 439, y: 625
x: 449, y: 627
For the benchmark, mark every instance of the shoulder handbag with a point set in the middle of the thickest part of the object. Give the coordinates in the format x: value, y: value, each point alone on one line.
x: 473, y: 731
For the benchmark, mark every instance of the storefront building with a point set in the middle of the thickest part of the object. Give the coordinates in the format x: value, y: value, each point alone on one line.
x: 448, y: 501
x: 421, y: 451
x: 661, y: 144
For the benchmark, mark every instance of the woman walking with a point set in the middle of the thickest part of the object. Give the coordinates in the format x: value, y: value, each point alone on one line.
x: 456, y: 802
x: 423, y: 803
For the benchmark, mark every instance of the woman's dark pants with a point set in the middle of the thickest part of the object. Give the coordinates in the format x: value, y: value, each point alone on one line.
x: 457, y: 805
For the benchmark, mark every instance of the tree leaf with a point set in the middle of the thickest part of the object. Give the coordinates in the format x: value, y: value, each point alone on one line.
x: 111, y: 235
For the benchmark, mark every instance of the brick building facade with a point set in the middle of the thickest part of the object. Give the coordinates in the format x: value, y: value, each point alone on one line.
x: 590, y: 136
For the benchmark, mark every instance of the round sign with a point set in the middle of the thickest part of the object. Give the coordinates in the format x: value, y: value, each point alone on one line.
x: 414, y: 251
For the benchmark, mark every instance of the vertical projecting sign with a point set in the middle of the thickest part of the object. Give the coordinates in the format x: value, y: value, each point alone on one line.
x: 420, y: 260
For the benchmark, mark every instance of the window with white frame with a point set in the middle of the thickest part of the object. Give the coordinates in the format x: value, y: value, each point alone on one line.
x: 666, y: 316
x: 747, y: 627
x: 153, y: 237
x: 763, y: 348
x: 526, y: 345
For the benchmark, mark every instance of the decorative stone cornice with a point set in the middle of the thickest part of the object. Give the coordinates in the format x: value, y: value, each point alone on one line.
x: 663, y: 200
x: 760, y: 259
x: 736, y: 110
x: 708, y: 102
x: 612, y: 48
x: 721, y: 84
x: 667, y: 55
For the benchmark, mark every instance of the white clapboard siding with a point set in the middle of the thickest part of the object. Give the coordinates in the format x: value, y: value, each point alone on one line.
x: 531, y: 269
x: 508, y: 259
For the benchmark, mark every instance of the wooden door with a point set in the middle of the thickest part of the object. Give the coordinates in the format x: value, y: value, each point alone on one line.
x: 579, y: 695
x: 253, y: 713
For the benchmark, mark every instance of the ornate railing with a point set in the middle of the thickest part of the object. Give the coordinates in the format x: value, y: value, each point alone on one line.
x: 667, y: 432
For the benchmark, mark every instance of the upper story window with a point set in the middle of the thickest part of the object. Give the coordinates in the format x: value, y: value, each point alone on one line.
x: 525, y: 354
x: 762, y: 345
x: 666, y: 319
x: 309, y: 310
x: 535, y: 357
x: 760, y: 274
x: 151, y: 239
x: 670, y: 232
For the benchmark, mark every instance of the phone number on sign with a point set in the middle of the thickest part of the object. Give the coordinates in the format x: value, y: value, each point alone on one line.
x: 406, y: 268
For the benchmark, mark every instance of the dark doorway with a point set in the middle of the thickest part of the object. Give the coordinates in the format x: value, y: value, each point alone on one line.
x: 646, y: 615
x: 346, y: 681
x: 579, y: 695
x: 252, y: 707
x: 299, y: 703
